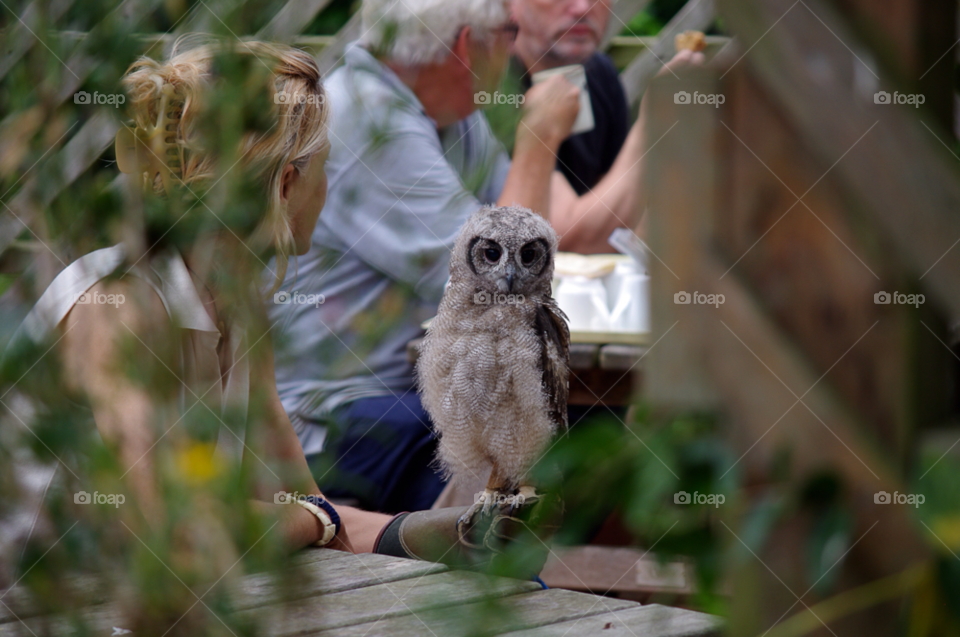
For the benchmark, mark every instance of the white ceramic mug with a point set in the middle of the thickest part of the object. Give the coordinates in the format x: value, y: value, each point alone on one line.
x: 577, y: 76
x: 632, y: 311
x: 584, y: 301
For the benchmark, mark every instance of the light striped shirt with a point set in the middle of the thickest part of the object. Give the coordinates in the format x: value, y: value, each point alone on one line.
x: 398, y: 192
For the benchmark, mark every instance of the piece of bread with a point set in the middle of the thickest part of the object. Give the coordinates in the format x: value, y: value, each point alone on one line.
x: 691, y: 40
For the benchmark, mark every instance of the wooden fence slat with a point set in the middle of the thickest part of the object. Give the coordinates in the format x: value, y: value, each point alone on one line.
x: 696, y: 15
x: 205, y: 17
x: 333, y: 53
x: 96, y: 135
x: 519, y: 612
x: 652, y: 620
x: 76, y: 156
x: 385, y: 600
x: 621, y: 13
x: 914, y: 199
x: 81, y: 63
x: 19, y: 38
x: 294, y: 16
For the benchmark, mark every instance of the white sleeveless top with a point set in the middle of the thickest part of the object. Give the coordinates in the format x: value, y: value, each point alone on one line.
x: 199, y: 362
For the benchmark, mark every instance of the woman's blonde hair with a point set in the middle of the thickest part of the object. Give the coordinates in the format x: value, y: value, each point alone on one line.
x: 299, y: 131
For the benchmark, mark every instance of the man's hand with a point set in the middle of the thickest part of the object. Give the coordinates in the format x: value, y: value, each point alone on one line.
x: 550, y: 109
x: 683, y: 60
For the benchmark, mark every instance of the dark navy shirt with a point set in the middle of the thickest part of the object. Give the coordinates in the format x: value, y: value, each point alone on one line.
x: 585, y: 158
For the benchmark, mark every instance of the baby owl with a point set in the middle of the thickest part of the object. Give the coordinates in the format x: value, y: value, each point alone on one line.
x: 493, y: 366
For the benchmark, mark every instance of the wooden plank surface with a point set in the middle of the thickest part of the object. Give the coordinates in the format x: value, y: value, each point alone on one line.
x: 374, y: 603
x: 492, y: 617
x: 602, y: 569
x: 652, y: 620
x: 330, y: 576
x: 621, y: 357
x: 442, y: 603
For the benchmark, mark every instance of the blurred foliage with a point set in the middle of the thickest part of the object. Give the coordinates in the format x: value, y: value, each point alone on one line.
x: 208, y: 534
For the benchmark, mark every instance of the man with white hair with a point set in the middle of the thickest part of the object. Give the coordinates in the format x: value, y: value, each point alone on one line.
x: 410, y: 160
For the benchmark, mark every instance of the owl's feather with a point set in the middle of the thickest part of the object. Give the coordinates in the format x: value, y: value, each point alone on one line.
x: 554, y: 334
x: 493, y: 375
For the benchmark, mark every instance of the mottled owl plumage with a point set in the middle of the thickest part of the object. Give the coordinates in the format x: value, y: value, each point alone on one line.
x: 493, y: 366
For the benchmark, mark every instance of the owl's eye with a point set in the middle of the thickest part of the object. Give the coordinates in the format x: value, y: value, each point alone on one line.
x: 492, y: 254
x: 527, y: 255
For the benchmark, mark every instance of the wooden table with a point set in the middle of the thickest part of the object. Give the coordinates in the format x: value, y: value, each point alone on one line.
x: 600, y: 373
x: 366, y: 595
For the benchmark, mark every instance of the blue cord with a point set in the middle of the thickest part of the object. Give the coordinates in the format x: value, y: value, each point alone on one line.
x: 536, y: 578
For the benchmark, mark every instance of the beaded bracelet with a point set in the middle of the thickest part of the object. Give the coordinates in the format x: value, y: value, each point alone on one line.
x: 324, y: 512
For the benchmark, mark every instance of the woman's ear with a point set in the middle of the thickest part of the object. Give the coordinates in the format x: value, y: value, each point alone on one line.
x: 288, y: 178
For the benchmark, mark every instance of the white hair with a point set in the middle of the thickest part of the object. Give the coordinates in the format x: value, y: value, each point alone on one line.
x: 414, y: 32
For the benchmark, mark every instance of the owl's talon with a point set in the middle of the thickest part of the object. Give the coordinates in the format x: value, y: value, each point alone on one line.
x: 479, y: 509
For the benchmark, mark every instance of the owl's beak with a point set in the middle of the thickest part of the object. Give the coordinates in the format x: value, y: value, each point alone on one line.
x: 508, y: 279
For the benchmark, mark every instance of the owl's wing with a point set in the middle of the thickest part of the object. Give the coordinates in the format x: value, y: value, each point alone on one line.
x: 554, y: 335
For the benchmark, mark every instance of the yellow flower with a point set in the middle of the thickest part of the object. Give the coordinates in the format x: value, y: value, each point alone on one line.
x: 198, y: 463
x: 947, y: 529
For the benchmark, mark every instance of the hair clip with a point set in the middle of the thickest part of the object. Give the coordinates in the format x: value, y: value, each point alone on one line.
x: 154, y: 149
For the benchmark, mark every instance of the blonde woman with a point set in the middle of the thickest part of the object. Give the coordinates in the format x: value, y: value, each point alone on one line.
x: 189, y: 309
